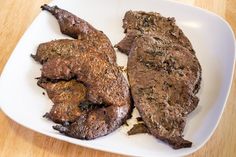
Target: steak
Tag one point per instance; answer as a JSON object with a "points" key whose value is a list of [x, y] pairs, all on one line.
{"points": [[90, 94], [163, 79], [66, 111], [137, 23], [105, 85]]}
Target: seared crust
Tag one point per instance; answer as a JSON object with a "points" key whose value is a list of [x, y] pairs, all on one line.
{"points": [[138, 129], [104, 81], [136, 23], [96, 123], [66, 48], [105, 84], [162, 79], [66, 97], [90, 94]]}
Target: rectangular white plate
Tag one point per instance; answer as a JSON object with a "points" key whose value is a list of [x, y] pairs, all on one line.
{"points": [[212, 38]]}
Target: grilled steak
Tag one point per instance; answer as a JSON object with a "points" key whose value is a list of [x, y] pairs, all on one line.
{"points": [[66, 48], [137, 23], [99, 101], [86, 36], [163, 72], [105, 84], [96, 123], [162, 79]]}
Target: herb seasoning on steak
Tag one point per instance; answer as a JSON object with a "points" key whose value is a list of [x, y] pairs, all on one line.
{"points": [[162, 81], [137, 23], [163, 72], [90, 94]]}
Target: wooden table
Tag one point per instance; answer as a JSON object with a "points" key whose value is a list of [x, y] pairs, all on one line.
{"points": [[15, 140]]}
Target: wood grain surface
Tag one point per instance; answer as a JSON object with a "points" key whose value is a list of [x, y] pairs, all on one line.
{"points": [[15, 140]]}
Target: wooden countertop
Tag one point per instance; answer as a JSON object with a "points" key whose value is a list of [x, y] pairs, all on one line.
{"points": [[15, 140]]}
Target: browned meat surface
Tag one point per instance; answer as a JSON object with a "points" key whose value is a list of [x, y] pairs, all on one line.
{"points": [[87, 38], [163, 79], [136, 23], [99, 101], [163, 72], [103, 80], [125, 44], [67, 47], [138, 129], [70, 24], [66, 97], [96, 123], [105, 84], [63, 110]]}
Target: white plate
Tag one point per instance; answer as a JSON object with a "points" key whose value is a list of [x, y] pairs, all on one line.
{"points": [[212, 38]]}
